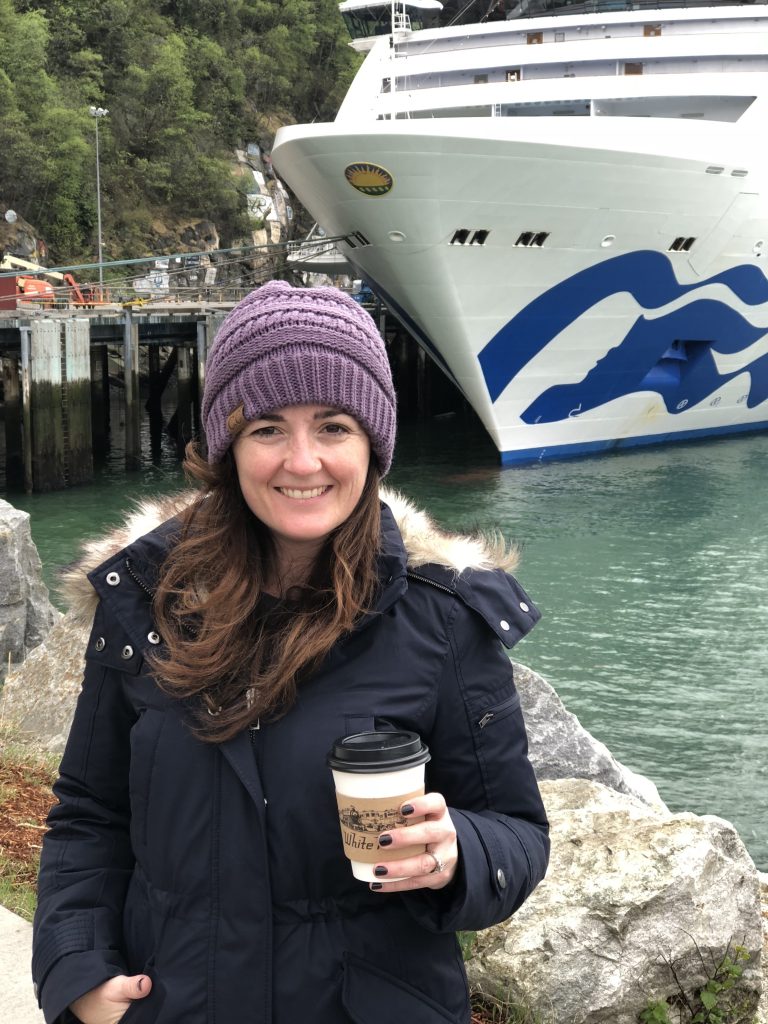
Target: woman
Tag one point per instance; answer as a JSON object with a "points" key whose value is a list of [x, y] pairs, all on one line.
{"points": [[193, 871]]}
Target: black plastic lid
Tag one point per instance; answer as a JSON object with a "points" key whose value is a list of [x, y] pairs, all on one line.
{"points": [[367, 752]]}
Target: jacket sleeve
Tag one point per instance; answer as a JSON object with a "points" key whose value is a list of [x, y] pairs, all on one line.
{"points": [[87, 860], [480, 764]]}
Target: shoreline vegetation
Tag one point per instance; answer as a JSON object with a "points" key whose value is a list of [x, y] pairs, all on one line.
{"points": [[184, 84]]}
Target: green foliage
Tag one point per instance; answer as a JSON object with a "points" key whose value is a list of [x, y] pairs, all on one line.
{"points": [[716, 1002], [185, 82]]}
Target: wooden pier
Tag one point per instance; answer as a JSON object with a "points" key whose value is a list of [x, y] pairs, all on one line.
{"points": [[56, 381]]}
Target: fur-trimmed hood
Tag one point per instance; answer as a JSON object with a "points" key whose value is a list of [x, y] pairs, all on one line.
{"points": [[425, 543]]}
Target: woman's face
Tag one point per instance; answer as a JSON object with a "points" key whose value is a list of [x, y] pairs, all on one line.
{"points": [[302, 471]]}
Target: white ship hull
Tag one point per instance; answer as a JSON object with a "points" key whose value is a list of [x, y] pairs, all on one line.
{"points": [[601, 336]]}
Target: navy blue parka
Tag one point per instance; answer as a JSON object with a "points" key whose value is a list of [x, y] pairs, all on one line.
{"points": [[218, 869]]}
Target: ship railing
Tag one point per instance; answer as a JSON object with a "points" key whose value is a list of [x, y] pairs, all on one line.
{"points": [[543, 9]]}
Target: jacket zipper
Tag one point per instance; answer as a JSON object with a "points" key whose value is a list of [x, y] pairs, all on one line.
{"points": [[138, 580], [432, 583]]}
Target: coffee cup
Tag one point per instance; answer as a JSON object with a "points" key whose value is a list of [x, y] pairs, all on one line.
{"points": [[375, 773]]}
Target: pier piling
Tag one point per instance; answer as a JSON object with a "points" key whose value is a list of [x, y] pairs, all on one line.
{"points": [[76, 401], [131, 379], [100, 399], [49, 471], [14, 448]]}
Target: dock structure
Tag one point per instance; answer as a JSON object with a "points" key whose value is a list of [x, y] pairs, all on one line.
{"points": [[58, 367], [56, 379]]}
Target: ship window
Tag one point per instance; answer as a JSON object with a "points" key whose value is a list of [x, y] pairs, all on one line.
{"points": [[513, 75], [535, 37], [481, 79], [559, 37], [633, 68], [681, 244], [386, 85], [739, 174], [531, 238], [479, 237], [460, 236], [652, 30], [715, 170]]}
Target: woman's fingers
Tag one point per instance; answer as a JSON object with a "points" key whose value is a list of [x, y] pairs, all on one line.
{"points": [[108, 1002], [436, 832]]}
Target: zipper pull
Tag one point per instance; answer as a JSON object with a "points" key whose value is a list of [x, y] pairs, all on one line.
{"points": [[485, 719]]}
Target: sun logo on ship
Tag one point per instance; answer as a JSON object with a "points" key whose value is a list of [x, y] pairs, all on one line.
{"points": [[370, 179]]}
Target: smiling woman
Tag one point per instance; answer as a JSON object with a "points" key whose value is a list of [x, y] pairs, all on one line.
{"points": [[194, 869]]}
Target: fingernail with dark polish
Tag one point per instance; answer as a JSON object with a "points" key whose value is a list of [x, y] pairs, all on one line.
{"points": [[380, 870], [385, 840], [406, 809], [376, 886]]}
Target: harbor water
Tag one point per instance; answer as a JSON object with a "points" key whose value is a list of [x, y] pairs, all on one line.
{"points": [[649, 567]]}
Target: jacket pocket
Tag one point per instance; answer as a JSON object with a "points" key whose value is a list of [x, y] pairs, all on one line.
{"points": [[372, 996], [492, 715], [146, 1010]]}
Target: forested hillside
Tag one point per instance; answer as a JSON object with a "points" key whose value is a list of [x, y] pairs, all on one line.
{"points": [[185, 82]]}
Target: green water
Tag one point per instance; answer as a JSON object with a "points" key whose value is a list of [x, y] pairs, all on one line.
{"points": [[649, 567]]}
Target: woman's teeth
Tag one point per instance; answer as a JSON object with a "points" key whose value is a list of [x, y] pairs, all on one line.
{"points": [[291, 492]]}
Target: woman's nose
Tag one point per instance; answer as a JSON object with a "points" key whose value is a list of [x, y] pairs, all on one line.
{"points": [[302, 456]]}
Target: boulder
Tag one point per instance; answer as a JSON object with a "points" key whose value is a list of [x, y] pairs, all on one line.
{"points": [[636, 900], [561, 748], [39, 697], [26, 614]]}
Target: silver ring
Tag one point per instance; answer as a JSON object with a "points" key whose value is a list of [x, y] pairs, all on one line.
{"points": [[439, 866]]}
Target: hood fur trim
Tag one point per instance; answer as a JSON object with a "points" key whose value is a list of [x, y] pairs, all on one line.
{"points": [[425, 543]]}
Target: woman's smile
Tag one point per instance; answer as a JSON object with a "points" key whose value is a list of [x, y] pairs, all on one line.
{"points": [[293, 492]]}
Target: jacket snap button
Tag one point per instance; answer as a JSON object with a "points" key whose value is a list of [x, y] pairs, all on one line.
{"points": [[524, 607], [153, 637], [501, 878], [113, 579], [100, 644], [504, 624], [127, 652]]}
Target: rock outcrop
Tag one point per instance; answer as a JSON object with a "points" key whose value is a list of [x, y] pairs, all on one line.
{"points": [[39, 697], [636, 900], [561, 748], [26, 614]]}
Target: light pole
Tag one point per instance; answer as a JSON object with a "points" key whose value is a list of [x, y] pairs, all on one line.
{"points": [[97, 113]]}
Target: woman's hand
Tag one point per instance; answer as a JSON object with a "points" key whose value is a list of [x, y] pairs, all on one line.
{"points": [[437, 832], [109, 1002]]}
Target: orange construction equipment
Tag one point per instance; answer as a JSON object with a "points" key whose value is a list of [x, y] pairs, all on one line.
{"points": [[46, 290]]}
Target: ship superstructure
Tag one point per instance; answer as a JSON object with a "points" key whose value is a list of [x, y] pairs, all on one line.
{"points": [[568, 210]]}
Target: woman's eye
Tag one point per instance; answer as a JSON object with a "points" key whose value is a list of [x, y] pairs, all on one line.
{"points": [[335, 428], [263, 432]]}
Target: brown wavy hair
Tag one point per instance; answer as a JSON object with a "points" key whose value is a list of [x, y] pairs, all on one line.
{"points": [[233, 654]]}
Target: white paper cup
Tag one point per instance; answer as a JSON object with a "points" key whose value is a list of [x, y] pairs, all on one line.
{"points": [[375, 773]]}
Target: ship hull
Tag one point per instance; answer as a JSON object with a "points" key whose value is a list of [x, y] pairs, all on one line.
{"points": [[599, 336]]}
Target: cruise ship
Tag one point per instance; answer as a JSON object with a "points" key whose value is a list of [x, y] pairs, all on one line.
{"points": [[566, 205]]}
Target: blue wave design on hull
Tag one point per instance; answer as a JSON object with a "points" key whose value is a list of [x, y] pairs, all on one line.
{"points": [[646, 359]]}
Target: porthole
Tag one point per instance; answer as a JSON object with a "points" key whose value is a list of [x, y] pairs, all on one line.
{"points": [[608, 241]]}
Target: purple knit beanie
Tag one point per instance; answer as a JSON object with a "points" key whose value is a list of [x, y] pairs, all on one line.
{"points": [[284, 346]]}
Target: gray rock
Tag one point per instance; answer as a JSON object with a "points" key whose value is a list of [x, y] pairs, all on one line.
{"points": [[26, 614], [561, 748], [630, 890], [39, 697]]}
